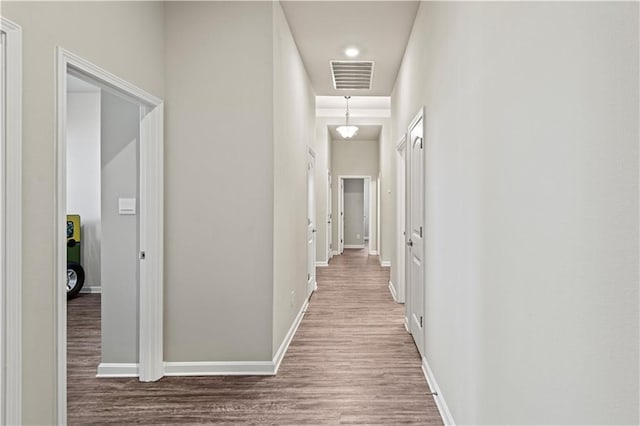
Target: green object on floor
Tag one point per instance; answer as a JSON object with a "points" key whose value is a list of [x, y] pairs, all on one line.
{"points": [[73, 238]]}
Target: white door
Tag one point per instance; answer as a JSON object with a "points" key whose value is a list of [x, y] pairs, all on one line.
{"points": [[329, 219], [311, 225], [415, 242]]}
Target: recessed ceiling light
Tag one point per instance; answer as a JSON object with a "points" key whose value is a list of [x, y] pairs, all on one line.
{"points": [[352, 52]]}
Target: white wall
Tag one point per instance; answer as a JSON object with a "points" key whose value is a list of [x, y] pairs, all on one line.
{"points": [[354, 158], [219, 181], [109, 34], [83, 176], [531, 207], [293, 133], [119, 151]]}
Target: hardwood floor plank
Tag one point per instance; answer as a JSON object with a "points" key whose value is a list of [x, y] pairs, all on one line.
{"points": [[350, 362]]}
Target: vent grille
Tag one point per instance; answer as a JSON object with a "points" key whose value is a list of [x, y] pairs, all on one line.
{"points": [[352, 75]]}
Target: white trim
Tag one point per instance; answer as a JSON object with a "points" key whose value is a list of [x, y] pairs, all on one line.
{"points": [[373, 253], [91, 289], [354, 246], [11, 279], [392, 290], [406, 324], [385, 263], [401, 218], [321, 264], [118, 369], [277, 358], [443, 408], [151, 306], [336, 253], [222, 368], [151, 226]]}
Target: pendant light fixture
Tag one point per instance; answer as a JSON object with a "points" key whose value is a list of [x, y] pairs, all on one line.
{"points": [[347, 131]]}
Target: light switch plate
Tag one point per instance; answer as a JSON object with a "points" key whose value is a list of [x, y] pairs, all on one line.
{"points": [[126, 206]]}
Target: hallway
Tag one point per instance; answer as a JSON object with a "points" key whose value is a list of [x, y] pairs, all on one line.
{"points": [[351, 361]]}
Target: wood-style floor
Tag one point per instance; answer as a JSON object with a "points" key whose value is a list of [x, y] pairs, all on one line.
{"points": [[351, 362]]}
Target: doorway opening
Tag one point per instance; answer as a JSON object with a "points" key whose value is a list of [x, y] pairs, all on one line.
{"points": [[357, 199], [109, 166]]}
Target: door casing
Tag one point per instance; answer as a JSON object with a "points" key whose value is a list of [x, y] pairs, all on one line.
{"points": [[151, 192], [401, 240], [11, 225]]}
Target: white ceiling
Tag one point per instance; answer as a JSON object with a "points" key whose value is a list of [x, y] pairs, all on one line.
{"points": [[365, 133], [323, 29]]}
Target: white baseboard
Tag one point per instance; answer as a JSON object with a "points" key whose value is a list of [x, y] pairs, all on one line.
{"points": [[393, 292], [385, 263], [354, 246], [91, 289], [322, 264], [118, 369], [373, 253], [236, 368], [277, 358], [336, 253], [406, 325], [447, 418], [219, 368], [315, 287]]}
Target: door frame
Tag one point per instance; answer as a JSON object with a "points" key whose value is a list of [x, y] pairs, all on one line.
{"points": [[341, 179], [401, 204], [150, 367], [11, 230]]}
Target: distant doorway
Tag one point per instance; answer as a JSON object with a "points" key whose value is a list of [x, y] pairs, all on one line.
{"points": [[356, 202]]}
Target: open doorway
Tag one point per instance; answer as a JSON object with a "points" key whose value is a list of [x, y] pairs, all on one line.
{"points": [[356, 202], [102, 168], [115, 166]]}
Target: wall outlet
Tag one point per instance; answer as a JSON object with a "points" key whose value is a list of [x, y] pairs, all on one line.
{"points": [[293, 296]]}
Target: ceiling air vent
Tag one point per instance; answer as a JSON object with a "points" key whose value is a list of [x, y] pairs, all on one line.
{"points": [[350, 75]]}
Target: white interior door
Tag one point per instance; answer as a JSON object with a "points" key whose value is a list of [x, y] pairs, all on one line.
{"points": [[415, 242], [311, 225]]}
